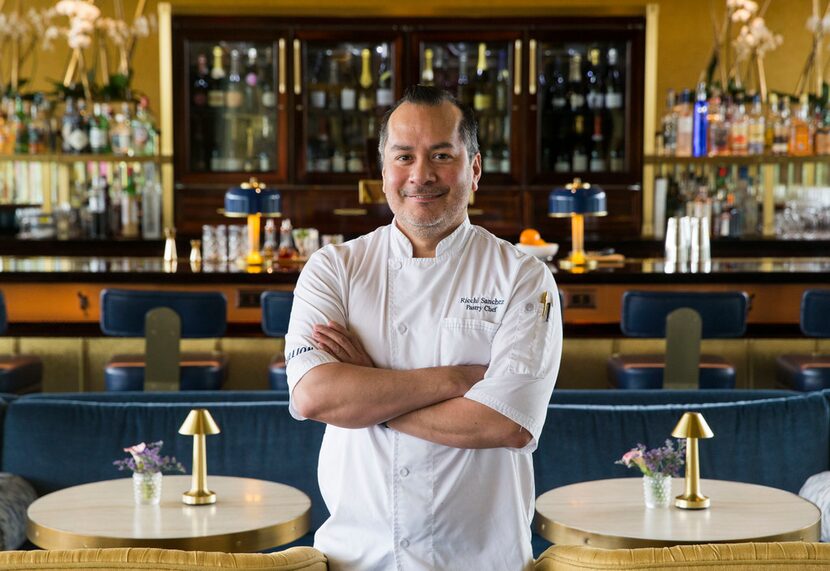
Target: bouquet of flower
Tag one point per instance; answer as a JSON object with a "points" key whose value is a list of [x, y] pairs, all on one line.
{"points": [[665, 461], [147, 459]]}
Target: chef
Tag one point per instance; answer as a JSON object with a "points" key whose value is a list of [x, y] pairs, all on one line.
{"points": [[430, 348]]}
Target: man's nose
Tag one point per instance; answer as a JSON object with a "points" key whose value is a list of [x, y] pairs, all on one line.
{"points": [[421, 172]]}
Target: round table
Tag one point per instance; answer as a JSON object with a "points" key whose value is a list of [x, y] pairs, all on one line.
{"points": [[611, 514], [249, 515]]}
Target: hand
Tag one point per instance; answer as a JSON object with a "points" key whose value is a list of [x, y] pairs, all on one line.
{"points": [[342, 344]]}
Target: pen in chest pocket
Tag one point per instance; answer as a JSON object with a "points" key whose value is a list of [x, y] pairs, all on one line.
{"points": [[545, 301]]}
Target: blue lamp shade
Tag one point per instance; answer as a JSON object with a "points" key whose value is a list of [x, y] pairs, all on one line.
{"points": [[577, 198], [252, 198]]}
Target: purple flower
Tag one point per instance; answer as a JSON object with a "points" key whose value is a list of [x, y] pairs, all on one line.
{"points": [[147, 459], [665, 461]]}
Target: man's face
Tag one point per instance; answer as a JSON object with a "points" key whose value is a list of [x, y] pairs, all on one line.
{"points": [[427, 175]]}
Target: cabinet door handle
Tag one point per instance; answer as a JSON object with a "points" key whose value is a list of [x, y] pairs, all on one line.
{"points": [[517, 68], [350, 212], [475, 212], [281, 63], [298, 86], [532, 67]]}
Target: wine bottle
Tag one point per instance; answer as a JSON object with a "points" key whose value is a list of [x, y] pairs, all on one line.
{"points": [[251, 89], [366, 99], [384, 96], [465, 94], [233, 88], [483, 98], [348, 94], [200, 86], [99, 130]]}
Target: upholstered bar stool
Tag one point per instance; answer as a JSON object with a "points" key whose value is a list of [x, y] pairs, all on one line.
{"points": [[276, 311], [683, 318], [803, 372], [18, 373], [163, 318]]}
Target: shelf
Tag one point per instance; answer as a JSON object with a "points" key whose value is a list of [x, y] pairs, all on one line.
{"points": [[83, 158], [736, 160]]}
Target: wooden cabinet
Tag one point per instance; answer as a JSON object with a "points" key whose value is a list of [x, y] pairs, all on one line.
{"points": [[334, 78]]}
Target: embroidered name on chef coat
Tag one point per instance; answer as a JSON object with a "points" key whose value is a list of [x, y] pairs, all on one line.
{"points": [[481, 303]]}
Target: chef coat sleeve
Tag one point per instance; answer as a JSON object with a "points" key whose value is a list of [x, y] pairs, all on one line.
{"points": [[525, 353], [318, 299]]}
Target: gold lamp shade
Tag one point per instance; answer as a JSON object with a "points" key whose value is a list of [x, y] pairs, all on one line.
{"points": [[692, 426], [199, 423]]}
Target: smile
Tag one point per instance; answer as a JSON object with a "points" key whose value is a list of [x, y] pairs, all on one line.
{"points": [[425, 197]]}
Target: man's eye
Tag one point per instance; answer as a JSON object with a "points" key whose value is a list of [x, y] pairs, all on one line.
{"points": [[403, 157], [442, 156]]}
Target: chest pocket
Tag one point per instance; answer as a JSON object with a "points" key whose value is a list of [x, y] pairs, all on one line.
{"points": [[465, 341]]}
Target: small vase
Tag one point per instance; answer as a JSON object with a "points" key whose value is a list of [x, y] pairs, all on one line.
{"points": [[147, 488], [657, 491]]}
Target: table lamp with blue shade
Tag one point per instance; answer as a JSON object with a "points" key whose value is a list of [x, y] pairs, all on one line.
{"points": [[253, 201], [575, 201]]}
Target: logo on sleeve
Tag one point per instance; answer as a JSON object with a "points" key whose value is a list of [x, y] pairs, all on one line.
{"points": [[481, 303], [297, 351]]}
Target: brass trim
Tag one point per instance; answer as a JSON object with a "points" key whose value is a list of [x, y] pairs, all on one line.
{"points": [[649, 116], [298, 87], [350, 212], [370, 191], [242, 541], [517, 68], [475, 212], [281, 63], [165, 29], [531, 66]]}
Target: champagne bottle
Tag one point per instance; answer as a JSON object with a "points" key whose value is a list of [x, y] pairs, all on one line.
{"points": [[483, 98], [216, 92], [348, 95], [366, 99], [233, 89], [465, 94], [427, 74], [99, 130]]}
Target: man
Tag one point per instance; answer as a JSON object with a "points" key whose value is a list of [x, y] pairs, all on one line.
{"points": [[430, 349]]}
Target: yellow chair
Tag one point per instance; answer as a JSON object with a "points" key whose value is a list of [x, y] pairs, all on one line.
{"points": [[135, 558], [731, 556]]}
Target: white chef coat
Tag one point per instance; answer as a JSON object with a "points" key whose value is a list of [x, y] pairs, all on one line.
{"points": [[400, 502]]}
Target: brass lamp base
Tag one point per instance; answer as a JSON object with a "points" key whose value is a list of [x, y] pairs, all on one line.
{"points": [[569, 264], [199, 497], [691, 502]]}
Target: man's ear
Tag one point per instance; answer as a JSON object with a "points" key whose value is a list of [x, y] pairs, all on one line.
{"points": [[476, 168]]}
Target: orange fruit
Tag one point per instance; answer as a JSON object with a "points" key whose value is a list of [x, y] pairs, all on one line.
{"points": [[539, 242], [530, 237]]}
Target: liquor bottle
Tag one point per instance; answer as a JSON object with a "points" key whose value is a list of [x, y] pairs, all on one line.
{"points": [[384, 97], [79, 132], [348, 94], [66, 123], [144, 132], [781, 127], [822, 142], [216, 91], [269, 242], [267, 97], [200, 86], [99, 131], [595, 96], [755, 143], [113, 174], [366, 99], [151, 198], [668, 125], [251, 89], [233, 87], [286, 250], [579, 155], [465, 93], [20, 127], [483, 97], [121, 137], [613, 81], [700, 126], [801, 129], [769, 121], [129, 208], [427, 73], [97, 203], [316, 86], [739, 128], [333, 86], [685, 125], [718, 125], [38, 128]]}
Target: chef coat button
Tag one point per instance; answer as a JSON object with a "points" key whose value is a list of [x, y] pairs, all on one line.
{"points": [[402, 328], [404, 543], [396, 265], [404, 472], [529, 307]]}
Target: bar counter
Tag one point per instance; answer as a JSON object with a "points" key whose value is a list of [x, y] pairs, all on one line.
{"points": [[65, 290]]}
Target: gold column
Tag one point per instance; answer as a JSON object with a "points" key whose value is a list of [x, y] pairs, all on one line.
{"points": [[165, 27], [649, 117]]}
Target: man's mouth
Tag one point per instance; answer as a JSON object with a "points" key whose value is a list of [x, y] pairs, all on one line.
{"points": [[424, 196]]}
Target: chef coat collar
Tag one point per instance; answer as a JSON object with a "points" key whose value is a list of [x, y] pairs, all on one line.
{"points": [[401, 247]]}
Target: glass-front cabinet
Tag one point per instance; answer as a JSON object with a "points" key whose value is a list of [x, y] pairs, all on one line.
{"points": [[298, 104]]}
